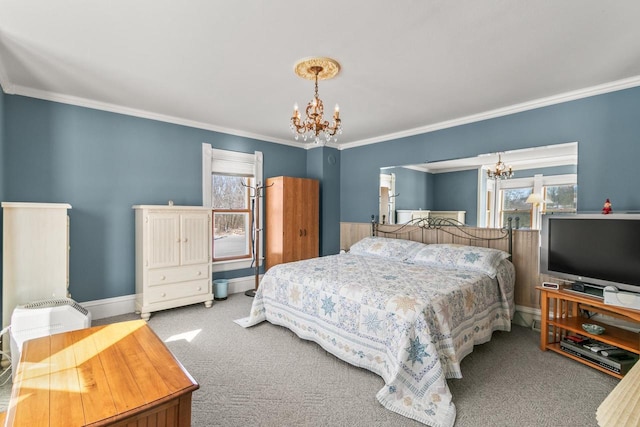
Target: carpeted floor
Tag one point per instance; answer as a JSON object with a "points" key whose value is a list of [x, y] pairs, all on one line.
{"points": [[267, 376]]}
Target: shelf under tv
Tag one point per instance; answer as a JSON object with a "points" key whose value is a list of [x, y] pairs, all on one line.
{"points": [[560, 316]]}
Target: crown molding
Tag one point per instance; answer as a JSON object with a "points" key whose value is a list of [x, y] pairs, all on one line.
{"points": [[505, 111], [103, 106], [5, 84], [617, 85]]}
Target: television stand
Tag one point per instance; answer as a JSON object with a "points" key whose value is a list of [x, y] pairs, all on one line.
{"points": [[560, 317]]}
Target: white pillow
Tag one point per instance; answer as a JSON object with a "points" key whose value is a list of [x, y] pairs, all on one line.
{"points": [[396, 249], [485, 260]]}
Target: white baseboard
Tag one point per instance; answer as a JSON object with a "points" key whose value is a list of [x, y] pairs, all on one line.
{"points": [[117, 306], [527, 316], [110, 307], [242, 284]]}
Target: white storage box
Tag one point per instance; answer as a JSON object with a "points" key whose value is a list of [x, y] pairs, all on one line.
{"points": [[42, 318]]}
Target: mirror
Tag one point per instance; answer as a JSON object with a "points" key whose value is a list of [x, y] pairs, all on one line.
{"points": [[461, 189]]}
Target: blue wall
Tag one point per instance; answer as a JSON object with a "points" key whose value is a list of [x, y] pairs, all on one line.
{"points": [[323, 163], [457, 191], [606, 127], [414, 188], [104, 163]]}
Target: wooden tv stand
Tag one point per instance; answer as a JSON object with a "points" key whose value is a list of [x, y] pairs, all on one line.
{"points": [[560, 316]]}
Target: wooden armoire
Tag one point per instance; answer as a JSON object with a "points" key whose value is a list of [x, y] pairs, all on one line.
{"points": [[292, 219]]}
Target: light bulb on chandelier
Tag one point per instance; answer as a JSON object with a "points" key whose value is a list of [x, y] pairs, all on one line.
{"points": [[500, 170], [314, 125]]}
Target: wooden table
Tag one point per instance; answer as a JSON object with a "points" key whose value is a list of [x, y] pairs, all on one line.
{"points": [[120, 374]]}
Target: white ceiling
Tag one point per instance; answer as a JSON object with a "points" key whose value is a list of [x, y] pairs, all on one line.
{"points": [[407, 66]]}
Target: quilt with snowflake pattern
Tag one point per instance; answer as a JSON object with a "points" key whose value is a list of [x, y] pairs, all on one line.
{"points": [[411, 324]]}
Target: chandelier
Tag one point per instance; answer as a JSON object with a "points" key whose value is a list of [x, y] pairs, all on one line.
{"points": [[500, 170], [314, 126]]}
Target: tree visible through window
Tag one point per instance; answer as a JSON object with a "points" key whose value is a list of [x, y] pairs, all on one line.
{"points": [[232, 217], [558, 198], [561, 198], [514, 205]]}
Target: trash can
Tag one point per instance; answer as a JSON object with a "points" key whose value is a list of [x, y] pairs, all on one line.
{"points": [[220, 287]]}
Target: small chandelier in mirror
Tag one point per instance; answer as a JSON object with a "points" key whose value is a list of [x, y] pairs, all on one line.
{"points": [[314, 126], [500, 170]]}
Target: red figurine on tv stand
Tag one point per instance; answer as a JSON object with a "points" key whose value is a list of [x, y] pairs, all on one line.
{"points": [[607, 207]]}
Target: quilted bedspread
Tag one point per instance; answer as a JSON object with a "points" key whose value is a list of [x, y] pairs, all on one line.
{"points": [[410, 324]]}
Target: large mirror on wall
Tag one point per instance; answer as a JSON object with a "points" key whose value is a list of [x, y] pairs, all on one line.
{"points": [[483, 190]]}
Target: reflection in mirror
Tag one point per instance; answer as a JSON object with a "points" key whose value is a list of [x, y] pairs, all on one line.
{"points": [[461, 188], [387, 198], [408, 189]]}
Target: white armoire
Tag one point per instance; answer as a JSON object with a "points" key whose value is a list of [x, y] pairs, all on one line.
{"points": [[35, 254], [173, 257]]}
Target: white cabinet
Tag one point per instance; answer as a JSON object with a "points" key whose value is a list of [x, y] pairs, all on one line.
{"points": [[173, 257], [458, 216], [35, 254], [403, 216]]}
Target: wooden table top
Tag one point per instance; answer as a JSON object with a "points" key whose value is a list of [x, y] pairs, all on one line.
{"points": [[94, 377]]}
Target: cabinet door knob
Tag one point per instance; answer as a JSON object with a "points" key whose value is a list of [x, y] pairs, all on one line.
{"points": [[300, 232], [199, 273], [162, 277], [178, 240], [199, 288], [186, 239], [163, 295]]}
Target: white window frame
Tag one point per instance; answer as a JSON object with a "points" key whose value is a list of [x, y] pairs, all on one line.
{"points": [[232, 162], [536, 183]]}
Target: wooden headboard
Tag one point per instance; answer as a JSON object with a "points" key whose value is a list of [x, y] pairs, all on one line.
{"points": [[524, 253]]}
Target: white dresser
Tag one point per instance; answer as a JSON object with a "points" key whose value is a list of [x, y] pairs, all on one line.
{"points": [[173, 257], [35, 254]]}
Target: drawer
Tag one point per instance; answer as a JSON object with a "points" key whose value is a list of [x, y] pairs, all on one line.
{"points": [[177, 291], [162, 276]]}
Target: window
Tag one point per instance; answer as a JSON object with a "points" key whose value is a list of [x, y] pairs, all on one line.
{"points": [[228, 182], [514, 205], [232, 217], [558, 191], [560, 198]]}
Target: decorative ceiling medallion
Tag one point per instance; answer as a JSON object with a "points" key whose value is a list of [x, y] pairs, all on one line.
{"points": [[306, 68], [313, 125]]}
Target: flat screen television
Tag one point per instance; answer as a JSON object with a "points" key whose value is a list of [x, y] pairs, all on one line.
{"points": [[596, 249]]}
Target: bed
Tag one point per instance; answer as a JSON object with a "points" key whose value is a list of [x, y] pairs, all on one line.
{"points": [[408, 311]]}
